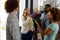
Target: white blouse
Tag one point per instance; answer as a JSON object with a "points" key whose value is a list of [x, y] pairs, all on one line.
{"points": [[27, 25]]}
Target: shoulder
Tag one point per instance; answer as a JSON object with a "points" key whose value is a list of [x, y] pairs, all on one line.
{"points": [[54, 26]]}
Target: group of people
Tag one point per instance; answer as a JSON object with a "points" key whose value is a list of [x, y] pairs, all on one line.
{"points": [[45, 22]]}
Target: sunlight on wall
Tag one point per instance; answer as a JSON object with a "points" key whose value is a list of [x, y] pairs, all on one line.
{"points": [[3, 17], [22, 6]]}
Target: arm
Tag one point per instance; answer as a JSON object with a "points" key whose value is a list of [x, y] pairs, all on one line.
{"points": [[9, 30], [15, 28], [46, 32]]}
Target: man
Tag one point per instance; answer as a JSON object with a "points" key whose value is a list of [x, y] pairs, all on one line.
{"points": [[44, 20]]}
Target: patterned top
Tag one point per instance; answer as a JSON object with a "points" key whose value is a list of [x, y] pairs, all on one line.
{"points": [[12, 27]]}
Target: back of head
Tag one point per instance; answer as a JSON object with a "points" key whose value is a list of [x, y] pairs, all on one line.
{"points": [[46, 7], [10, 5]]}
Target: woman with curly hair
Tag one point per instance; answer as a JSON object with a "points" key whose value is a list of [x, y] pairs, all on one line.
{"points": [[52, 29]]}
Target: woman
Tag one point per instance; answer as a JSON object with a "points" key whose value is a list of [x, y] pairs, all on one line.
{"points": [[27, 26], [12, 27], [52, 29]]}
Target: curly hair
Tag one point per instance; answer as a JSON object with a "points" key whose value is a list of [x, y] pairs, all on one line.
{"points": [[10, 5], [55, 13]]}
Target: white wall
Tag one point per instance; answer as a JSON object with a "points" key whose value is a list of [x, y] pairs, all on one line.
{"points": [[58, 4], [35, 4], [29, 4], [22, 6], [3, 18]]}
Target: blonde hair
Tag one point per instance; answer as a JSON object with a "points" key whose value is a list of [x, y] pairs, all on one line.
{"points": [[24, 12], [36, 10]]}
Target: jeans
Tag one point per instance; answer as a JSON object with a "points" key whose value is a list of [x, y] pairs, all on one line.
{"points": [[27, 36]]}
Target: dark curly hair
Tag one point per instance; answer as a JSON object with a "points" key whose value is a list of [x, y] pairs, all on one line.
{"points": [[10, 5], [55, 13], [46, 7]]}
